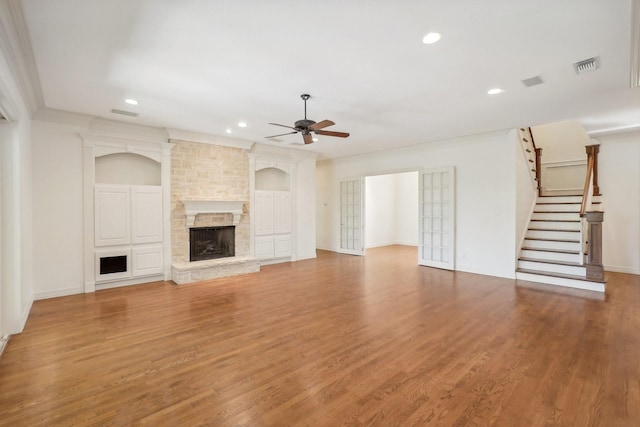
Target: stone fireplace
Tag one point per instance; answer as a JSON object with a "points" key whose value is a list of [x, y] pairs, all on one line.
{"points": [[209, 189]]}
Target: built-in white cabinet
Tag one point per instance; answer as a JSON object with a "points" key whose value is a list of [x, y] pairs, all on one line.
{"points": [[128, 231], [272, 212]]}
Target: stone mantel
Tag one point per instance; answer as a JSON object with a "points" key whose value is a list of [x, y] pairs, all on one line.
{"points": [[195, 207]]}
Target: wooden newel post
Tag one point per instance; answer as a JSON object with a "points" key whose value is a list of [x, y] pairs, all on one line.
{"points": [[595, 270], [593, 150]]}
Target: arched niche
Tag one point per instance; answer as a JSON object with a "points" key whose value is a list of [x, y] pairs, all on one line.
{"points": [[128, 169], [272, 179]]}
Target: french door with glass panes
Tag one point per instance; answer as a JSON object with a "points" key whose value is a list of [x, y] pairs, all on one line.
{"points": [[351, 216], [437, 218]]}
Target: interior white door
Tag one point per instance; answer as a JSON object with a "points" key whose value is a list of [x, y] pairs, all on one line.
{"points": [[351, 216], [437, 218]]}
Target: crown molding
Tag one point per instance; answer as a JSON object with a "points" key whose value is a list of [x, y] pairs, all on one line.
{"points": [[16, 45], [204, 138], [635, 43]]}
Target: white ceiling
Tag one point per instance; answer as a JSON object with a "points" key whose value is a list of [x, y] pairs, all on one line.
{"points": [[203, 65]]}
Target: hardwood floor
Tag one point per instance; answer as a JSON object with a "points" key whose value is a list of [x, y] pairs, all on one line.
{"points": [[340, 340]]}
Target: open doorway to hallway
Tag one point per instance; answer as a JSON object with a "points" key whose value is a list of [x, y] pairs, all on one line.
{"points": [[391, 209]]}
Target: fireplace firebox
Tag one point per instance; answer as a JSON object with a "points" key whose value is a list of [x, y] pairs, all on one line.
{"points": [[212, 242]]}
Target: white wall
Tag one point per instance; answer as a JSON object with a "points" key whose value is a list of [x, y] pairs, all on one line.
{"points": [[619, 180], [380, 211], [305, 209], [526, 191], [406, 230], [561, 141], [57, 203], [16, 258], [485, 195]]}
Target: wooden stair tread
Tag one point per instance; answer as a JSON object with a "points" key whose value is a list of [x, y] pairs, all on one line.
{"points": [[559, 275], [562, 195], [552, 240], [559, 203], [574, 212], [556, 220], [553, 229], [557, 251], [552, 261]]}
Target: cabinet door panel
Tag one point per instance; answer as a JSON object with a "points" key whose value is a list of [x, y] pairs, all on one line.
{"points": [[282, 245], [264, 247], [146, 214], [146, 260], [112, 215], [263, 212], [282, 212]]}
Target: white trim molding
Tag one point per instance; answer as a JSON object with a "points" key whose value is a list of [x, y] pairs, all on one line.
{"points": [[635, 43], [195, 207], [15, 43]]}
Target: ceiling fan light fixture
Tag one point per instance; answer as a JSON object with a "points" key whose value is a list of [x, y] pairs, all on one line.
{"points": [[431, 38], [131, 101]]}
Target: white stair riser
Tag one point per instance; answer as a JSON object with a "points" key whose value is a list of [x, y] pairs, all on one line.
{"points": [[542, 244], [553, 256], [562, 199], [558, 208], [553, 225], [553, 268], [559, 281], [555, 235], [556, 216]]}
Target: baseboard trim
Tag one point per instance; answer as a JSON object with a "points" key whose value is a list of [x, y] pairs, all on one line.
{"points": [[58, 293], [627, 270], [3, 343]]}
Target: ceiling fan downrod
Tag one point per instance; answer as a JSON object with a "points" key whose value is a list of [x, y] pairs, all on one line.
{"points": [[304, 97]]}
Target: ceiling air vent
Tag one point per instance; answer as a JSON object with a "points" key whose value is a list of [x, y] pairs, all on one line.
{"points": [[124, 113], [586, 65], [533, 81]]}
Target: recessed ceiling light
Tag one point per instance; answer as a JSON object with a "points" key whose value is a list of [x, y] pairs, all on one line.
{"points": [[228, 130], [431, 38], [242, 124], [314, 139], [495, 91], [131, 101]]}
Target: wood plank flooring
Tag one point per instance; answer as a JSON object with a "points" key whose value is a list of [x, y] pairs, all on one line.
{"points": [[339, 340]]}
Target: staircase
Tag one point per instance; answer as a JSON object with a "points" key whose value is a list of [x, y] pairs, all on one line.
{"points": [[552, 249]]}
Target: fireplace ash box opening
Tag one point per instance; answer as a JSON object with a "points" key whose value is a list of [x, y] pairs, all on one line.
{"points": [[211, 242]]}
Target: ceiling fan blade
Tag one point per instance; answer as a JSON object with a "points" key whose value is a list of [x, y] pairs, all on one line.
{"points": [[322, 124], [308, 139], [331, 133], [284, 126], [282, 134]]}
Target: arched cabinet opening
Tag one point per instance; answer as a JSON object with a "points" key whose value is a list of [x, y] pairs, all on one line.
{"points": [[127, 169], [272, 179]]}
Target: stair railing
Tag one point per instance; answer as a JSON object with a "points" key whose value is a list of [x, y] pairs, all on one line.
{"points": [[533, 155], [591, 220]]}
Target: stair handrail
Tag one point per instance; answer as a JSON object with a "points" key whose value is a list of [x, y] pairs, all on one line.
{"points": [[588, 184], [533, 155]]}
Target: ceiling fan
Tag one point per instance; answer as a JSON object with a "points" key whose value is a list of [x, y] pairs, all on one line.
{"points": [[306, 126]]}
